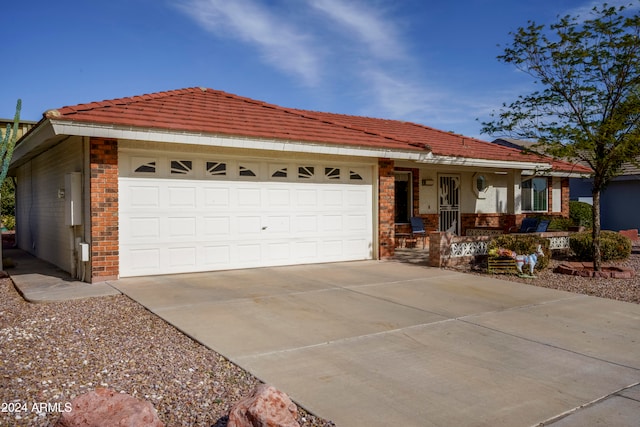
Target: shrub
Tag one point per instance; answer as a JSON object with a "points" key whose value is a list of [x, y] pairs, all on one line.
{"points": [[560, 224], [523, 245], [9, 222], [613, 246], [581, 214]]}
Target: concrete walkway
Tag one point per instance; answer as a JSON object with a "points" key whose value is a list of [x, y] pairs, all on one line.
{"points": [[394, 344], [390, 343], [39, 281]]}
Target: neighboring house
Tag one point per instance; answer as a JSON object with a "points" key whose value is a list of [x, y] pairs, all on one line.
{"points": [[620, 192], [199, 180], [23, 127], [619, 201]]}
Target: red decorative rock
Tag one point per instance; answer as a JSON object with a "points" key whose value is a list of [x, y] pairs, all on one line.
{"points": [[266, 407], [107, 408], [631, 234], [585, 269]]}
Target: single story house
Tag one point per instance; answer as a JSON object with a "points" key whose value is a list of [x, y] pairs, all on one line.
{"points": [[616, 194], [199, 180]]}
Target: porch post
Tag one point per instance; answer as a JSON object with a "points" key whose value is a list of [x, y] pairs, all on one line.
{"points": [[386, 208], [104, 209], [514, 199]]}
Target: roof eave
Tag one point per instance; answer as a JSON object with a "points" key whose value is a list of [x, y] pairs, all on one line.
{"points": [[65, 127], [484, 163], [37, 140]]}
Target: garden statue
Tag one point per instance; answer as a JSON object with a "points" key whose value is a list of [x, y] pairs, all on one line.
{"points": [[530, 260]]}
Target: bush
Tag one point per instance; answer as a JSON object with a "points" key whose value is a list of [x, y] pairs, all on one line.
{"points": [[523, 245], [9, 222], [581, 214], [560, 224], [613, 246]]}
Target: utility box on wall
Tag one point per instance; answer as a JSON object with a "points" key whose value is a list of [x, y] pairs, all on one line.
{"points": [[73, 198]]}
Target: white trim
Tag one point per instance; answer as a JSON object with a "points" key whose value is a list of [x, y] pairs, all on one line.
{"points": [[483, 163], [212, 140]]}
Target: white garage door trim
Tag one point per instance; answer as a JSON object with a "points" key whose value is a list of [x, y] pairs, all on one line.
{"points": [[256, 214]]}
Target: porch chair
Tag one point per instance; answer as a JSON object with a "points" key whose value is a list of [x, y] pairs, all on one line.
{"points": [[542, 226], [529, 225], [417, 230]]}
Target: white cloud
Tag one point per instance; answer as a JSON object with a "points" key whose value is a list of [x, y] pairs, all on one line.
{"points": [[281, 44], [375, 31]]}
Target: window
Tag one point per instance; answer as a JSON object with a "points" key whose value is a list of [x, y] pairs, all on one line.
{"points": [[181, 167], [148, 167], [355, 176], [332, 173], [534, 195], [279, 173], [216, 168], [245, 171], [306, 172], [402, 197]]}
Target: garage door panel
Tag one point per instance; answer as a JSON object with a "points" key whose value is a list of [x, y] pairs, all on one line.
{"points": [[332, 223], [142, 196], [306, 224], [217, 226], [143, 228], [216, 256], [170, 226], [181, 197], [306, 198], [182, 228], [278, 224], [306, 250], [249, 225], [181, 257], [356, 223], [249, 197], [249, 253], [142, 261], [332, 198], [216, 197], [280, 252], [278, 198]]}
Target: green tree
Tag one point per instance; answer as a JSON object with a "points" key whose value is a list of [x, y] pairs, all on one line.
{"points": [[588, 106], [6, 149]]}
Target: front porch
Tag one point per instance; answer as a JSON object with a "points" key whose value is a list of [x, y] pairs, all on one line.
{"points": [[448, 250]]}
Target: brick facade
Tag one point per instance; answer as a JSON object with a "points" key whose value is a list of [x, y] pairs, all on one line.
{"points": [[386, 208], [103, 155], [565, 197]]}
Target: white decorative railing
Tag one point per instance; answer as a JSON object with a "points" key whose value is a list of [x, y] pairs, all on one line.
{"points": [[558, 242], [461, 249], [464, 246]]}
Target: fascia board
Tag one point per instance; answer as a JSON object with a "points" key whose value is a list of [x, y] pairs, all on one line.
{"points": [[32, 144], [63, 127], [484, 163]]}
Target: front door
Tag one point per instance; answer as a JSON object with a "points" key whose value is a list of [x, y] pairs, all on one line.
{"points": [[449, 203]]}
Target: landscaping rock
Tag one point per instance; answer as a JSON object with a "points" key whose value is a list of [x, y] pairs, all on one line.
{"points": [[265, 407], [107, 408]]}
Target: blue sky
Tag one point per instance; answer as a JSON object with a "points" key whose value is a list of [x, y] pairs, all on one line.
{"points": [[427, 61]]}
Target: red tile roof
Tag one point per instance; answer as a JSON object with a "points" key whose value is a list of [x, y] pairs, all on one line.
{"points": [[216, 112]]}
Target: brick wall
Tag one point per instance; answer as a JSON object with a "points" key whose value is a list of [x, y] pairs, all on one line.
{"points": [[386, 208], [104, 209], [565, 197]]}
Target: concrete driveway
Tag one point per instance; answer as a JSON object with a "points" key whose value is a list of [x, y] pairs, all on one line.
{"points": [[391, 344]]}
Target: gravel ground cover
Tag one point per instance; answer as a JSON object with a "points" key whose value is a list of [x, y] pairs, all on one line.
{"points": [[51, 353], [618, 289]]}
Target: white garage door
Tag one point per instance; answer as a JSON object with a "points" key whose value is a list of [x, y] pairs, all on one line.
{"points": [[320, 214]]}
